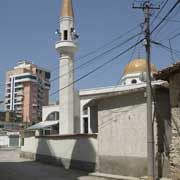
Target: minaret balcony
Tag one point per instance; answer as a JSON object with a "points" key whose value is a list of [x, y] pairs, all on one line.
{"points": [[67, 47]]}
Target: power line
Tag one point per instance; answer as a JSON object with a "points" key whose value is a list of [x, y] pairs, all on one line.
{"points": [[160, 44], [174, 31], [97, 68], [98, 56], [167, 14], [132, 54], [171, 50], [176, 35], [170, 20], [164, 5], [103, 46]]}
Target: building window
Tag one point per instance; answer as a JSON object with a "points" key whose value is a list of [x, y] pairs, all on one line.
{"points": [[47, 75], [134, 81], [65, 35], [85, 125], [26, 76], [53, 116], [1, 126], [85, 111]]}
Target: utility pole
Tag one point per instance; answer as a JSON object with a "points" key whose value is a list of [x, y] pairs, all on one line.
{"points": [[147, 7]]}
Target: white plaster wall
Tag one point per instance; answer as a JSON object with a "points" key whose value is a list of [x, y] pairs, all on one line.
{"points": [[76, 112], [122, 126], [4, 141], [76, 148]]}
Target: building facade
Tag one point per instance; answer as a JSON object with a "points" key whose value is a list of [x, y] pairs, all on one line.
{"points": [[27, 90], [172, 75]]}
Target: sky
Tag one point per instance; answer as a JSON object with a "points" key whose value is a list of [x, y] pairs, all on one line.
{"points": [[27, 32]]}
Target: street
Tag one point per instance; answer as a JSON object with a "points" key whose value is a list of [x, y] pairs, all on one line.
{"points": [[14, 168]]}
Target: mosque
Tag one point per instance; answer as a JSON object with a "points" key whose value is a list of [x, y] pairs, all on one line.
{"points": [[104, 129]]}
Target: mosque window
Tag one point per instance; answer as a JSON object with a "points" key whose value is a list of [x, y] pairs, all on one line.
{"points": [[85, 111], [85, 125], [134, 81], [65, 35]]}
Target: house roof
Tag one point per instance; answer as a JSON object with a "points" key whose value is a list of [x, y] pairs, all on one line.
{"points": [[114, 89], [42, 125], [164, 74], [132, 89]]}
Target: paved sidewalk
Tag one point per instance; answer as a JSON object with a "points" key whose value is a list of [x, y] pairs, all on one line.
{"points": [[14, 168]]}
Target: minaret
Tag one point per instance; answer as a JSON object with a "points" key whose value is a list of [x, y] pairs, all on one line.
{"points": [[66, 48]]}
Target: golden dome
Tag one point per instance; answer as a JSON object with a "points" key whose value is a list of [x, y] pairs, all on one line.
{"points": [[138, 65], [67, 9]]}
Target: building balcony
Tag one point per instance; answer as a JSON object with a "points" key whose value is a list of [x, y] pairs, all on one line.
{"points": [[8, 91], [18, 103], [18, 94], [8, 87], [19, 108], [19, 86], [34, 105], [19, 111], [19, 115], [20, 98], [8, 83], [66, 46], [8, 106], [7, 102], [7, 95], [19, 91]]}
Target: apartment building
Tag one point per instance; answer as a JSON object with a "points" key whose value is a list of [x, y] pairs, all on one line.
{"points": [[27, 90]]}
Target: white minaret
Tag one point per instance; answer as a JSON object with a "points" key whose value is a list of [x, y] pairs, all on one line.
{"points": [[66, 48]]}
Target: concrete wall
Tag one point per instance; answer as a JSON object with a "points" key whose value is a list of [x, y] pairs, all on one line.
{"points": [[4, 140], [122, 138], [70, 151], [175, 120], [76, 112]]}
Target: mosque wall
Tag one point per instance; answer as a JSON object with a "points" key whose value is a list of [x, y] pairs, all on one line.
{"points": [[122, 137], [69, 151]]}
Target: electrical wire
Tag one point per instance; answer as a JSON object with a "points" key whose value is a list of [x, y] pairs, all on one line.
{"points": [[98, 56], [159, 12], [103, 46], [165, 17], [107, 62], [97, 68]]}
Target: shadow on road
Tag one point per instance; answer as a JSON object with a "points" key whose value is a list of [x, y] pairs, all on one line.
{"points": [[30, 170]]}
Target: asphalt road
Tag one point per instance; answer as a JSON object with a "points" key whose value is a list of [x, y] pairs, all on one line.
{"points": [[14, 168]]}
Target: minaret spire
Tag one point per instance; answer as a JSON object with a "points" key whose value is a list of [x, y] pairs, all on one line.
{"points": [[67, 9], [67, 48]]}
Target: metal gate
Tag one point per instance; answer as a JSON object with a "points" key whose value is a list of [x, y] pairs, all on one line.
{"points": [[14, 141]]}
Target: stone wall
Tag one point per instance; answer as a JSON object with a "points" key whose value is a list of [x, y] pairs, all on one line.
{"points": [[175, 118]]}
